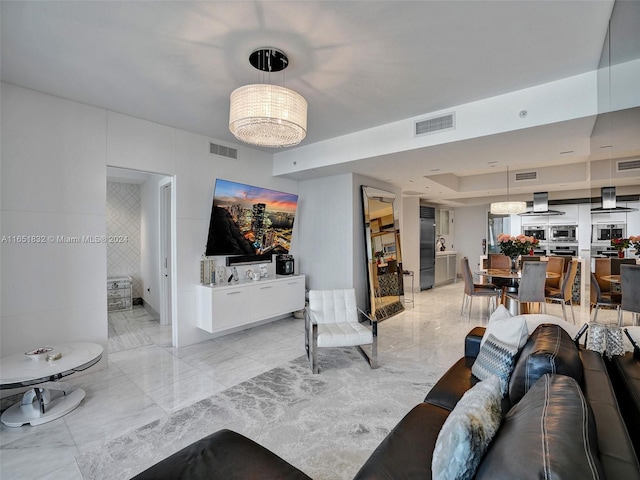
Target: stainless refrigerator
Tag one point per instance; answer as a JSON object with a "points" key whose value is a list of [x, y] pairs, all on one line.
{"points": [[427, 247]]}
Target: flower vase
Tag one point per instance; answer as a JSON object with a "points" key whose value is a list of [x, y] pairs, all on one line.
{"points": [[620, 253], [514, 264]]}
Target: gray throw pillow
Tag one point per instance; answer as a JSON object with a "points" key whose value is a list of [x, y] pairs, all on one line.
{"points": [[496, 359], [467, 432]]}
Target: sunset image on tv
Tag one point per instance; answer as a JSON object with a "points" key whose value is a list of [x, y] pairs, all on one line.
{"points": [[250, 220]]}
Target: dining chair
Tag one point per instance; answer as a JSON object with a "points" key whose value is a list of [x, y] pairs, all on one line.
{"points": [[564, 294], [530, 258], [472, 289], [602, 269], [532, 283], [554, 265], [615, 288], [630, 288], [500, 261], [597, 299]]}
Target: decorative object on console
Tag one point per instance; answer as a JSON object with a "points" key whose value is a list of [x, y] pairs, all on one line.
{"points": [[250, 221], [468, 431], [268, 115]]}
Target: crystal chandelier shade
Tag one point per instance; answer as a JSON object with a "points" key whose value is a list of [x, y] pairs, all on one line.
{"points": [[268, 115], [508, 208]]}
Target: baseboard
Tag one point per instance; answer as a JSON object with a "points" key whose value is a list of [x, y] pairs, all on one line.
{"points": [[150, 310]]}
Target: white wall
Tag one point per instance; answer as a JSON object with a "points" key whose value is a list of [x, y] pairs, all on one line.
{"points": [[410, 238], [53, 185], [470, 227], [331, 236], [54, 155]]}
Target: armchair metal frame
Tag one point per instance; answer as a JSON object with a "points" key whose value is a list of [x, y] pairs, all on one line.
{"points": [[311, 340]]}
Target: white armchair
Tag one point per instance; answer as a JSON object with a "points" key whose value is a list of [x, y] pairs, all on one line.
{"points": [[332, 320]]}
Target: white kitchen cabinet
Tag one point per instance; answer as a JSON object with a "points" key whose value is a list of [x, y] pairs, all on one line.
{"points": [[228, 306], [446, 269]]}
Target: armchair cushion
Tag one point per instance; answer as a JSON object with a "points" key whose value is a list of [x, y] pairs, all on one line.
{"points": [[343, 335]]}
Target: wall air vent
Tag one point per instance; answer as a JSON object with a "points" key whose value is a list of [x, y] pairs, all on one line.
{"points": [[526, 176], [223, 151], [435, 124], [627, 165]]}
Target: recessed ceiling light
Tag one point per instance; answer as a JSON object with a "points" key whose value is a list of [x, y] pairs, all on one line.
{"points": [[435, 169], [492, 162], [564, 153]]}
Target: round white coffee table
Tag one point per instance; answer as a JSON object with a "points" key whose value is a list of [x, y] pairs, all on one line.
{"points": [[48, 399]]}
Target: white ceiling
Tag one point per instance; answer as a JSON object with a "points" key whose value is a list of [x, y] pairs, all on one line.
{"points": [[358, 64]]}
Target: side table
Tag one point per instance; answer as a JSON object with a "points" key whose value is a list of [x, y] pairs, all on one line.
{"points": [[48, 399]]}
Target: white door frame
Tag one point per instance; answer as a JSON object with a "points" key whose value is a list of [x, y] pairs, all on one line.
{"points": [[168, 278]]}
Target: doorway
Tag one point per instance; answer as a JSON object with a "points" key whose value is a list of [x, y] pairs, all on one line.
{"points": [[141, 212]]}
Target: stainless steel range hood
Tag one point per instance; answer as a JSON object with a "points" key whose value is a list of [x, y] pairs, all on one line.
{"points": [[609, 202], [541, 206]]}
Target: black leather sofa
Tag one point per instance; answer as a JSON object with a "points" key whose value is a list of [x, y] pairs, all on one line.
{"points": [[517, 451]]}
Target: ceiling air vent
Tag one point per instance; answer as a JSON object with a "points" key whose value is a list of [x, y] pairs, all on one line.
{"points": [[223, 151], [435, 124], [526, 176], [627, 165]]}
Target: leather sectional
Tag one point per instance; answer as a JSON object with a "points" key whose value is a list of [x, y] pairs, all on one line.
{"points": [[585, 437]]}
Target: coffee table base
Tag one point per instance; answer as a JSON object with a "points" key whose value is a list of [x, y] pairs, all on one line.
{"points": [[59, 403]]}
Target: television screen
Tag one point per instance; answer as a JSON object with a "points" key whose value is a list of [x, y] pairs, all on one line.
{"points": [[247, 220]]}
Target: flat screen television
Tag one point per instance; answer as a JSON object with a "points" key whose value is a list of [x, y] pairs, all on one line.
{"points": [[248, 220]]}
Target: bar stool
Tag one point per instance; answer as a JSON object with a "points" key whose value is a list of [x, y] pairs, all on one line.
{"points": [[408, 273]]}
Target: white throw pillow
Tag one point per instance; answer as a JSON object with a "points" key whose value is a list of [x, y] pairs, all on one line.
{"points": [[467, 432], [506, 328]]}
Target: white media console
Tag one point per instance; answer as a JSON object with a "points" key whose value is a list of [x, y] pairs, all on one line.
{"points": [[228, 306]]}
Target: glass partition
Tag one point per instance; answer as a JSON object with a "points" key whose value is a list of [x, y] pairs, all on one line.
{"points": [[384, 259]]}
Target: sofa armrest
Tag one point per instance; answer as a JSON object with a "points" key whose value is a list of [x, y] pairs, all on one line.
{"points": [[224, 454], [472, 342]]}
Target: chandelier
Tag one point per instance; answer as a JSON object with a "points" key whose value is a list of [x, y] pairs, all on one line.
{"points": [[268, 115], [508, 207]]}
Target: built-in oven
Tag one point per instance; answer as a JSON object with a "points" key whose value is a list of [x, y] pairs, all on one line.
{"points": [[564, 250], [536, 232], [603, 251], [605, 232], [563, 233]]}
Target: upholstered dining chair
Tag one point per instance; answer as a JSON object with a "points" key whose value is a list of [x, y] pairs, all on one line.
{"points": [[615, 270], [554, 265], [630, 288], [603, 268], [332, 319], [502, 262], [598, 300], [564, 294], [531, 288], [472, 289]]}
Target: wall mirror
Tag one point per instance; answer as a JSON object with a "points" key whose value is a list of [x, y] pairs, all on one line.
{"points": [[384, 260]]}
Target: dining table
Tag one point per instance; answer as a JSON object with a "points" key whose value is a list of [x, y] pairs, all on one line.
{"points": [[506, 273]]}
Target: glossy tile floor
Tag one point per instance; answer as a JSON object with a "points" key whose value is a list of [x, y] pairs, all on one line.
{"points": [[147, 380]]}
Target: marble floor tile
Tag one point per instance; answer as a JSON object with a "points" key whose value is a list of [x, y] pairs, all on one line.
{"points": [[256, 381]]}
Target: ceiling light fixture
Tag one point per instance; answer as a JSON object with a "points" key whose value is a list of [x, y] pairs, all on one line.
{"points": [[508, 207], [268, 115]]}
